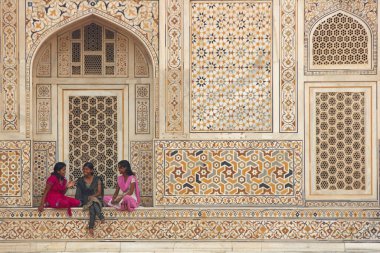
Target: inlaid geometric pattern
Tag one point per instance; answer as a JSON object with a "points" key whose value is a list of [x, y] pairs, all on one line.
{"points": [[288, 66], [230, 225], [254, 172], [340, 127], [340, 40], [43, 164], [363, 12], [340, 138], [231, 59], [141, 64], [174, 66], [235, 172], [15, 173], [10, 177], [201, 213], [9, 60], [93, 136], [142, 164], [142, 109]]}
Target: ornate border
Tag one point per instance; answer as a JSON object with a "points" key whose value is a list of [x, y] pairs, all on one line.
{"points": [[155, 228], [197, 213], [174, 66], [161, 198], [10, 68], [25, 174], [288, 67]]}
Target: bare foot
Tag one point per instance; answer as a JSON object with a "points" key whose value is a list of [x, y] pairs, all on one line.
{"points": [[91, 232]]}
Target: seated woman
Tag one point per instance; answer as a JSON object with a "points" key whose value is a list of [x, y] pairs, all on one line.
{"points": [[127, 183], [90, 191], [56, 187]]}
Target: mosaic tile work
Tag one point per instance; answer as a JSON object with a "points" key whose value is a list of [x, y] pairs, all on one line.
{"points": [[9, 72], [142, 164], [45, 18], [231, 59], [43, 164], [228, 172], [174, 66], [316, 10], [10, 177], [154, 225], [288, 66], [15, 173]]}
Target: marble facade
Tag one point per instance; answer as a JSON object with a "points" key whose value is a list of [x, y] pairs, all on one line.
{"points": [[243, 119]]}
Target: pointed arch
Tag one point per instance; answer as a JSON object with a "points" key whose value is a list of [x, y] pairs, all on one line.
{"points": [[340, 41], [150, 48]]}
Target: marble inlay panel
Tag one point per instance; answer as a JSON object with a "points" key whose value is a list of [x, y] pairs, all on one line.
{"points": [[228, 172]]}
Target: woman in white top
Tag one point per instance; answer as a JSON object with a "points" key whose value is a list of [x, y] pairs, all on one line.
{"points": [[127, 182]]}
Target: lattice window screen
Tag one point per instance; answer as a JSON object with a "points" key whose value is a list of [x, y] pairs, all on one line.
{"points": [[340, 40], [340, 139], [95, 50], [93, 136]]}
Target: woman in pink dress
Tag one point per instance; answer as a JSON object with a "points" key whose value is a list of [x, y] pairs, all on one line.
{"points": [[127, 182], [56, 187]]}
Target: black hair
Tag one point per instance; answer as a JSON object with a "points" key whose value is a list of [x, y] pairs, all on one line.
{"points": [[90, 166], [57, 167], [127, 166]]}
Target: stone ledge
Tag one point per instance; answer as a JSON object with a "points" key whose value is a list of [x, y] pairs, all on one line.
{"points": [[192, 229], [199, 213]]}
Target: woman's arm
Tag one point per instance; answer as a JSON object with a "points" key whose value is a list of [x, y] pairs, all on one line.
{"points": [[47, 189], [115, 194]]}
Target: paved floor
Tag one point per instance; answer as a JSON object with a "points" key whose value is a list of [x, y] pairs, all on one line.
{"points": [[188, 247]]}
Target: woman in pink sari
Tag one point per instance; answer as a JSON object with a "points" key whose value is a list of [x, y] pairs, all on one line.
{"points": [[127, 182], [56, 187]]}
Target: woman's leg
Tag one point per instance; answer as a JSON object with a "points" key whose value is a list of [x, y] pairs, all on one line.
{"points": [[98, 211], [128, 204], [67, 202], [91, 223]]}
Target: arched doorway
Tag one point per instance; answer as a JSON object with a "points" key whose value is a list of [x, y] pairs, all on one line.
{"points": [[93, 86]]}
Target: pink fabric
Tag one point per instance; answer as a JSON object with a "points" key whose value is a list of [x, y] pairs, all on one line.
{"points": [[56, 198], [128, 203]]}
